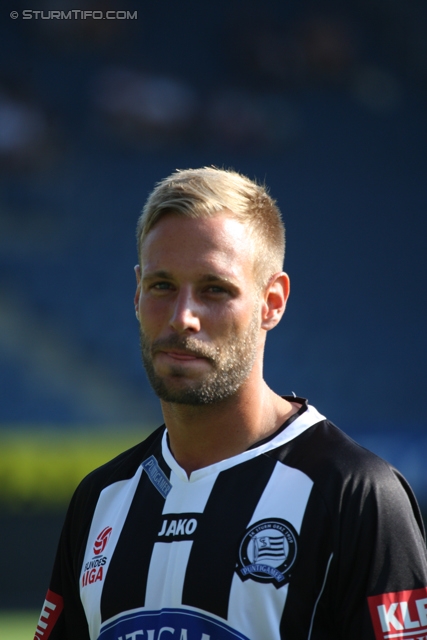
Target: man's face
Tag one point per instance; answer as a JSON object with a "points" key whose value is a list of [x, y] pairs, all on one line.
{"points": [[198, 307]]}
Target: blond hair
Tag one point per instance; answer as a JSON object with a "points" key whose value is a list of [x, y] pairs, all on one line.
{"points": [[203, 193]]}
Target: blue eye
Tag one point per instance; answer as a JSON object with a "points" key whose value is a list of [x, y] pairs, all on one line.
{"points": [[215, 289]]}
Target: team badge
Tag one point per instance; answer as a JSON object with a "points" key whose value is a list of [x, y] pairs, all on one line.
{"points": [[268, 551]]}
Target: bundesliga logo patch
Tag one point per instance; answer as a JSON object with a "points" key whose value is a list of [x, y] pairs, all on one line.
{"points": [[268, 551], [94, 569], [400, 616], [101, 541]]}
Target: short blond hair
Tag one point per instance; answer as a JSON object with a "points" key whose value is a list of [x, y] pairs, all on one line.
{"points": [[205, 192]]}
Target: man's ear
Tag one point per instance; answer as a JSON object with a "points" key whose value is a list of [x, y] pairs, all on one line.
{"points": [[276, 294], [137, 270]]}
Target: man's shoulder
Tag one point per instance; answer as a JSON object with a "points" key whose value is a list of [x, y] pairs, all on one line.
{"points": [[326, 453], [346, 478], [346, 473], [122, 467]]}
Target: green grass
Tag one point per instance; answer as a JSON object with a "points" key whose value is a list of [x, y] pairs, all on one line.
{"points": [[45, 466], [18, 625]]}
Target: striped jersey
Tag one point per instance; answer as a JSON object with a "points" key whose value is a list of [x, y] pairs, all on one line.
{"points": [[306, 535]]}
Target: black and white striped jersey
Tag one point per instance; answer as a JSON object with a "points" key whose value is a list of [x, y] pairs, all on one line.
{"points": [[304, 536]]}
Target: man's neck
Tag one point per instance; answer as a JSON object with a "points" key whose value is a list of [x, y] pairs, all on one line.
{"points": [[202, 435]]}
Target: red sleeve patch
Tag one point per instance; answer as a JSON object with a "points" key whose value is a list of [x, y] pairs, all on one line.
{"points": [[51, 610], [400, 616]]}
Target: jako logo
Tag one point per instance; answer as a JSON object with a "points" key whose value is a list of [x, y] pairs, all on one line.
{"points": [[400, 615], [101, 541], [181, 527]]}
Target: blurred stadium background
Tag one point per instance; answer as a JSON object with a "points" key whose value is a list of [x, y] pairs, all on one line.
{"points": [[326, 102]]}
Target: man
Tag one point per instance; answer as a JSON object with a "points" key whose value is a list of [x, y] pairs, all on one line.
{"points": [[247, 515]]}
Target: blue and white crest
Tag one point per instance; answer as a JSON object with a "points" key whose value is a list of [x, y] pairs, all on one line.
{"points": [[178, 624], [268, 551]]}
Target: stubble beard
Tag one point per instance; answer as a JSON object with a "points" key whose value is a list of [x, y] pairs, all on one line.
{"points": [[231, 364]]}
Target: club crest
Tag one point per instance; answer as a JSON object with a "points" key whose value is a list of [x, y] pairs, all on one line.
{"points": [[268, 551]]}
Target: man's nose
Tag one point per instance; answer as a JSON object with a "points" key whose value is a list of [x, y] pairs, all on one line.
{"points": [[186, 313]]}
